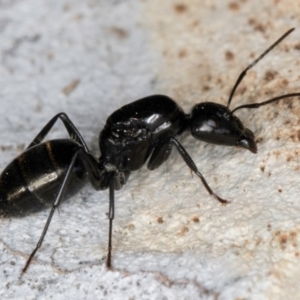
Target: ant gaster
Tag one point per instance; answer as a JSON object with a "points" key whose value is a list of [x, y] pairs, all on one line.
{"points": [[47, 173]]}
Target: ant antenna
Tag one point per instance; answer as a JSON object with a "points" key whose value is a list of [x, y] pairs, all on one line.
{"points": [[243, 74], [257, 105]]}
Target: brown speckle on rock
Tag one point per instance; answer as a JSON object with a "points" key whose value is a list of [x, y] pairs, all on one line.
{"points": [[293, 237], [5, 148], [256, 25], [229, 55], [131, 226], [233, 6], [205, 88], [21, 147], [160, 220], [270, 75], [119, 32], [297, 46], [182, 231], [180, 8], [284, 82], [195, 23], [196, 219], [259, 140], [69, 88], [283, 240], [182, 53]]}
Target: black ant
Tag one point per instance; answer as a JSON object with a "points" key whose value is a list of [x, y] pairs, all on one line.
{"points": [[144, 130]]}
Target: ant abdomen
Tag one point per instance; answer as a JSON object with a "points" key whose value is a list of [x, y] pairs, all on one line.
{"points": [[31, 181]]}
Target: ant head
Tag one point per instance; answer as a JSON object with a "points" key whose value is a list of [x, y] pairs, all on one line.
{"points": [[214, 123]]}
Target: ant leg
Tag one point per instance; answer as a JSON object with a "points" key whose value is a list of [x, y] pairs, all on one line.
{"points": [[188, 160], [111, 216], [160, 154], [72, 130], [95, 179], [54, 206]]}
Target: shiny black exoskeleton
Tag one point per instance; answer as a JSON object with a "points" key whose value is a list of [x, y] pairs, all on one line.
{"points": [[144, 131]]}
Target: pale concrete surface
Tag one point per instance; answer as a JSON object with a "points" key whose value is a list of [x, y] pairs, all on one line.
{"points": [[171, 239]]}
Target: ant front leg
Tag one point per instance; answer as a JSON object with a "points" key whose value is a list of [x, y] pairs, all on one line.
{"points": [[72, 130], [188, 160]]}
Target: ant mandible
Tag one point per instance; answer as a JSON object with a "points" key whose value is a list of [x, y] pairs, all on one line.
{"points": [[144, 130]]}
